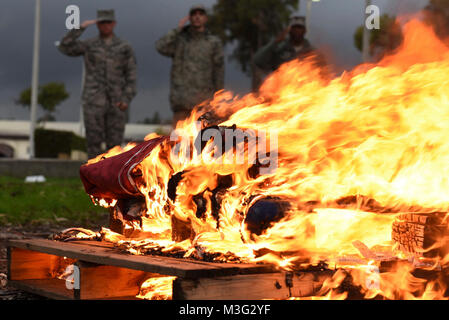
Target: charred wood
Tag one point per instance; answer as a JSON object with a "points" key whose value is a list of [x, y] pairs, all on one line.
{"points": [[421, 234], [264, 212], [181, 230]]}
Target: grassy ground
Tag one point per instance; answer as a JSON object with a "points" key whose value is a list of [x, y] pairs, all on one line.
{"points": [[61, 201]]}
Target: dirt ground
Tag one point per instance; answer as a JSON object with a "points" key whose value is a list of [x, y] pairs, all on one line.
{"points": [[19, 232]]}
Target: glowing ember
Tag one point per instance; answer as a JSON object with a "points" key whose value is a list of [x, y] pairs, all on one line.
{"points": [[157, 289]]}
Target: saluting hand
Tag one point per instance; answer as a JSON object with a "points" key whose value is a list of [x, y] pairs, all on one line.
{"points": [[183, 21], [87, 23]]}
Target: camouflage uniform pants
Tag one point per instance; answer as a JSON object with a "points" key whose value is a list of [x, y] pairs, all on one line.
{"points": [[104, 122]]}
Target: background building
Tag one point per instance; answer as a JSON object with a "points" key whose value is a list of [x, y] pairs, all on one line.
{"points": [[14, 135]]}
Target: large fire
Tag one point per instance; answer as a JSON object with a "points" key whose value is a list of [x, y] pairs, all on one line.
{"points": [[352, 153]]}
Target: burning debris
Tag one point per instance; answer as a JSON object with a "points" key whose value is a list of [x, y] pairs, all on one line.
{"points": [[74, 234], [359, 182], [422, 235]]}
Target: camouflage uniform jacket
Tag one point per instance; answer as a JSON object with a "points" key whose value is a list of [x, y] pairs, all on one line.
{"points": [[197, 69], [110, 67], [271, 56]]}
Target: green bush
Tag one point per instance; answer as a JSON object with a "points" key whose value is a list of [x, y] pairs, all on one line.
{"points": [[50, 143]]}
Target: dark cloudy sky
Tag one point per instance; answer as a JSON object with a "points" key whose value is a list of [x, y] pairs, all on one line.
{"points": [[142, 22]]}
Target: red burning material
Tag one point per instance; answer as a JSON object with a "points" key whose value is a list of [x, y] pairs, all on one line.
{"points": [[113, 178]]}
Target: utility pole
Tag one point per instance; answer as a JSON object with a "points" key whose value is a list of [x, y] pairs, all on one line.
{"points": [[309, 12], [35, 77], [366, 35]]}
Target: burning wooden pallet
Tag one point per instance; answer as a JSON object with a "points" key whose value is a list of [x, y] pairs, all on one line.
{"points": [[422, 234], [103, 272]]}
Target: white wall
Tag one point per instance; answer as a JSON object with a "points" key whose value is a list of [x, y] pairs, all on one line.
{"points": [[21, 128], [20, 147]]}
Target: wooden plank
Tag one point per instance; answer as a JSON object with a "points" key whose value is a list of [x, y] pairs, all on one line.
{"points": [[416, 233], [96, 281], [36, 272], [101, 244], [26, 264], [154, 264], [246, 287], [49, 288], [105, 282], [8, 256], [55, 289]]}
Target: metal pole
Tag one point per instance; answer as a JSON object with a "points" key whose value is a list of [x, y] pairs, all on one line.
{"points": [[83, 75], [35, 77], [366, 35], [308, 14]]}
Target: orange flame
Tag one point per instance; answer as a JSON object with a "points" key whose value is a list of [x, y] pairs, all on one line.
{"points": [[377, 132]]}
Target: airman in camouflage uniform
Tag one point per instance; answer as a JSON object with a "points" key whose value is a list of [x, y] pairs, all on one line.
{"points": [[283, 48], [110, 81], [198, 63]]}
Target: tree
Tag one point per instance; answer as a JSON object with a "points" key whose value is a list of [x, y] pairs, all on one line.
{"points": [[250, 24], [156, 119], [49, 97], [383, 40], [436, 13]]}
